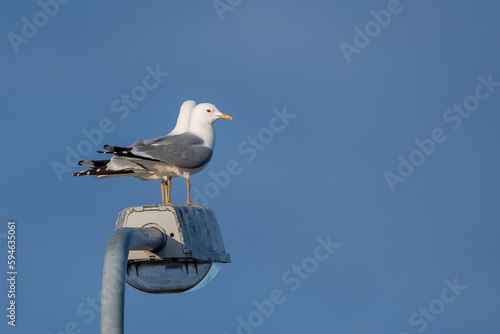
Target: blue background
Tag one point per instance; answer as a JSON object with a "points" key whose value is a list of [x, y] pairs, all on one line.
{"points": [[321, 175]]}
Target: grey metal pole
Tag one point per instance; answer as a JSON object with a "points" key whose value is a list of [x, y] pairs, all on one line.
{"points": [[119, 244]]}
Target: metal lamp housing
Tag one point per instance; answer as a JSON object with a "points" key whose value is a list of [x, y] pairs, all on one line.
{"points": [[193, 253]]}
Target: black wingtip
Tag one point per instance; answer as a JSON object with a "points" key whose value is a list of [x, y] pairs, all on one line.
{"points": [[81, 173]]}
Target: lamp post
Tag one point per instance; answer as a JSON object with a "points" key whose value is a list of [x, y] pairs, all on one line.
{"points": [[158, 249]]}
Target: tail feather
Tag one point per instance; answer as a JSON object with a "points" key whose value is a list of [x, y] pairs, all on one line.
{"points": [[103, 172], [93, 163], [123, 152], [84, 172], [114, 149], [99, 168]]}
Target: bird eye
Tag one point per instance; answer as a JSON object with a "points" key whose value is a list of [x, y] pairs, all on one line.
{"points": [[209, 111]]}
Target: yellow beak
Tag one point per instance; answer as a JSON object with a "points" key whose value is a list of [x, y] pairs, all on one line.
{"points": [[225, 116]]}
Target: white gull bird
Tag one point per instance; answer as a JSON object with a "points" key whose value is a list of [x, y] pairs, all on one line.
{"points": [[185, 151]]}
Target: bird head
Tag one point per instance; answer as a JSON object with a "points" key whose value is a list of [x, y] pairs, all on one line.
{"points": [[207, 113]]}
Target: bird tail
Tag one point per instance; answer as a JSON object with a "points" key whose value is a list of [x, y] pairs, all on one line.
{"points": [[116, 150], [99, 169], [123, 152], [93, 163]]}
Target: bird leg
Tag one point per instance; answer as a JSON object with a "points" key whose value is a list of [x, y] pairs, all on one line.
{"points": [[165, 191], [169, 189], [162, 192], [188, 201]]}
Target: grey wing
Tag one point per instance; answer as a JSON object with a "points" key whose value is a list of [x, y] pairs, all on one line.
{"points": [[149, 141], [143, 142], [186, 138], [183, 156]]}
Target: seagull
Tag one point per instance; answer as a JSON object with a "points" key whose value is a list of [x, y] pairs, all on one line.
{"points": [[184, 151], [181, 126]]}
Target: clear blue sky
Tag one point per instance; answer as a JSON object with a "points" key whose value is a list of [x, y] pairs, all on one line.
{"points": [[370, 126]]}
